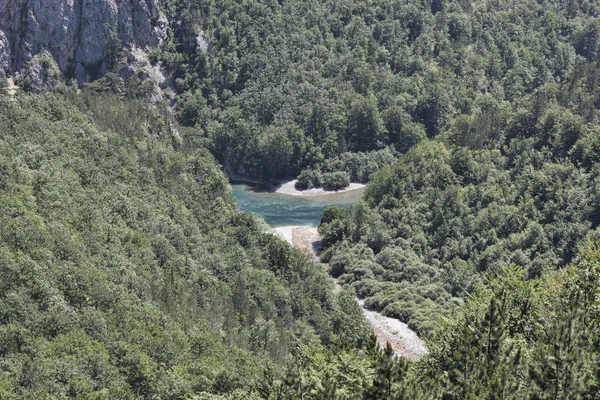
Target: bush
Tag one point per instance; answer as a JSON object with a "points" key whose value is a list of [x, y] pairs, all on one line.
{"points": [[339, 263], [308, 179], [335, 180], [332, 213], [360, 165], [399, 310]]}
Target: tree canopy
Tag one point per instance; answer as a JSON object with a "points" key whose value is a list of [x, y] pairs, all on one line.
{"points": [[127, 271]]}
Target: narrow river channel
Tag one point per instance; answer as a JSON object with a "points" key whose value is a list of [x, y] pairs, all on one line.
{"points": [[296, 219]]}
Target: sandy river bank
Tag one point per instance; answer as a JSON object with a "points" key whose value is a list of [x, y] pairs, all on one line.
{"points": [[289, 188]]}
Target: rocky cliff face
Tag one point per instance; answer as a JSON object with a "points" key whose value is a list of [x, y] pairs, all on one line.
{"points": [[74, 38]]}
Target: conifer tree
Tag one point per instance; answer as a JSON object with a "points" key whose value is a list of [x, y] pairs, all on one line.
{"points": [[389, 371]]}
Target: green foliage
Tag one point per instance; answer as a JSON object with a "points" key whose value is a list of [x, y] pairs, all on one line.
{"points": [[127, 272], [402, 131], [335, 180], [358, 167], [338, 374], [191, 109], [308, 179], [443, 215], [514, 338], [361, 76], [335, 225], [389, 372], [523, 338], [113, 50]]}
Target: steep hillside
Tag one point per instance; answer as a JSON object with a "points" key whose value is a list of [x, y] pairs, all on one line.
{"points": [[451, 212], [126, 270], [278, 87], [52, 41]]}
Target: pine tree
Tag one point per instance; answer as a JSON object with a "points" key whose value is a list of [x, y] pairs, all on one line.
{"points": [[389, 371]]}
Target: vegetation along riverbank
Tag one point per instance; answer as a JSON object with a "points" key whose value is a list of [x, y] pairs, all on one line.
{"points": [[453, 147]]}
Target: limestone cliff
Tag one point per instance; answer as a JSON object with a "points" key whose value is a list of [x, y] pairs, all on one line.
{"points": [[73, 38]]}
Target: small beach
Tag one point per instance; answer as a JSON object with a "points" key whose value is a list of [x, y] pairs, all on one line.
{"points": [[302, 237], [289, 188]]}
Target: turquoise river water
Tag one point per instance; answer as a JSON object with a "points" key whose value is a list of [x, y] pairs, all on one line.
{"points": [[282, 210]]}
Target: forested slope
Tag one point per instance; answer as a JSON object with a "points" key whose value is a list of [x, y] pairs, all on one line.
{"points": [[509, 173], [126, 270], [279, 86], [450, 212], [514, 338]]}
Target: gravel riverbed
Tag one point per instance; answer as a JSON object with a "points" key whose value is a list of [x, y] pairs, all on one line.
{"points": [[404, 341]]}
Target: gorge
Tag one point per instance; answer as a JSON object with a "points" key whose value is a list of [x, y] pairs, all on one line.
{"points": [[296, 218], [131, 268]]}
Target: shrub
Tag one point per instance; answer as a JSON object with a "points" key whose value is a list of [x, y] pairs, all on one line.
{"points": [[339, 263], [308, 179], [399, 310], [335, 180]]}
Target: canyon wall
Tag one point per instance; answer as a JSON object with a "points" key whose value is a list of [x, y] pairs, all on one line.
{"points": [[58, 39]]}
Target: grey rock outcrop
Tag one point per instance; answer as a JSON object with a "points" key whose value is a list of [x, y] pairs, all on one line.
{"points": [[43, 70], [75, 34]]}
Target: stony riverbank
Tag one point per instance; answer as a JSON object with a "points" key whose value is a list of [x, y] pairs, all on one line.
{"points": [[302, 237], [404, 341]]}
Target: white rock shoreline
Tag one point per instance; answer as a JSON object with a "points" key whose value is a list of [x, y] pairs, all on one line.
{"points": [[289, 188], [303, 237], [285, 232]]}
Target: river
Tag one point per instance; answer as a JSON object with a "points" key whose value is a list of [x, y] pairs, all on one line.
{"points": [[296, 219], [285, 210]]}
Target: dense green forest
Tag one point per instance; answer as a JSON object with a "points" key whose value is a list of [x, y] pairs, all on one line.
{"points": [[512, 179], [501, 95], [434, 224], [127, 271], [277, 87]]}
